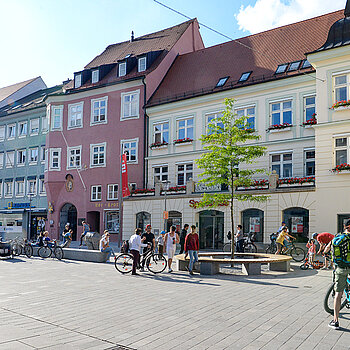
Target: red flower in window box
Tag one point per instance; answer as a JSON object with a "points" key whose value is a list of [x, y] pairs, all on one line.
{"points": [[279, 126], [158, 144], [296, 180], [340, 104], [183, 140], [341, 167], [311, 121], [143, 190]]}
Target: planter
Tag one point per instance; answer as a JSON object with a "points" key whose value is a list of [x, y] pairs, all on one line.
{"points": [[288, 128], [157, 146], [308, 126], [341, 108], [183, 142]]}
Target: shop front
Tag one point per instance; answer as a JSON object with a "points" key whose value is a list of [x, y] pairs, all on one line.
{"points": [[211, 228], [297, 220]]}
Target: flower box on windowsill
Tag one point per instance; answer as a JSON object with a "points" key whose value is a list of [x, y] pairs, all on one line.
{"points": [[158, 145], [287, 128], [342, 168], [296, 181], [143, 192], [341, 105], [183, 141], [175, 190], [309, 123]]}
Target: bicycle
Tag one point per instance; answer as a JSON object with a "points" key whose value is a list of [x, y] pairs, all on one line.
{"points": [[155, 263], [248, 245], [317, 264], [272, 248], [328, 302], [47, 249], [297, 253], [20, 245]]}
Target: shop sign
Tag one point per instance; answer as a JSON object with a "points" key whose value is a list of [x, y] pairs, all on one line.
{"points": [[297, 224], [13, 229], [107, 205], [165, 215], [195, 204], [254, 224], [11, 205]]}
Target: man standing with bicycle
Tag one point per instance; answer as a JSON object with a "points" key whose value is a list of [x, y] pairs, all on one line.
{"points": [[135, 245]]}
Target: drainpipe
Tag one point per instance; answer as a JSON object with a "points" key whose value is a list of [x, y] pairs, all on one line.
{"points": [[145, 137]]}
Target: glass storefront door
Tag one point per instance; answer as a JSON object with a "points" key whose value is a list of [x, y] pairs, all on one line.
{"points": [[211, 229]]}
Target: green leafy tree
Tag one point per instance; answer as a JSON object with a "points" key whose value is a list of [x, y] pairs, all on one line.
{"points": [[226, 149]]}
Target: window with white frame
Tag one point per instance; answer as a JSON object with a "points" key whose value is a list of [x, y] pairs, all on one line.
{"points": [[130, 147], [55, 159], [98, 155], [213, 119], [309, 107], [44, 124], [8, 188], [95, 76], [56, 117], [19, 188], [341, 87], [10, 159], [0, 188], [122, 69], [46, 165], [1, 160], [161, 132], [281, 112], [96, 192], [112, 192], [2, 133], [74, 157], [341, 150], [75, 115], [130, 105], [160, 173], [248, 112], [282, 163], [142, 64], [99, 111], [33, 155], [309, 162], [21, 157], [184, 173], [23, 129], [42, 190], [77, 80], [185, 128], [31, 186], [42, 154], [34, 126], [11, 131]]}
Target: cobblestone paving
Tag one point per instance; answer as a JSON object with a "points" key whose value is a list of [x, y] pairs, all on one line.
{"points": [[50, 304]]}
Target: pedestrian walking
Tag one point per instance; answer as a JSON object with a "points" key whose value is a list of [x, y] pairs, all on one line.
{"points": [[191, 248], [86, 229], [239, 239], [104, 245], [135, 245], [171, 238], [183, 235]]}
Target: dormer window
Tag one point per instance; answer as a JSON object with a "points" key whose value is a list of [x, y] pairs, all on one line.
{"points": [[222, 82], [294, 66], [95, 76], [122, 69], [281, 68], [244, 77], [77, 80], [306, 64], [142, 64]]}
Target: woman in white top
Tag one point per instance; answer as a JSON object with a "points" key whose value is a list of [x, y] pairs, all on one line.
{"points": [[171, 239]]}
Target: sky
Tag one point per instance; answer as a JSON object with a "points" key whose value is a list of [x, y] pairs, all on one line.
{"points": [[55, 38]]}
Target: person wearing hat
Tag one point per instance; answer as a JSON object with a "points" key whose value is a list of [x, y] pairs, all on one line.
{"points": [[323, 239], [160, 242], [148, 237]]}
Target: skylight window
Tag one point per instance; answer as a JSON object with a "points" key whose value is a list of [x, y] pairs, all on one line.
{"points": [[222, 82], [244, 77], [127, 56], [294, 66], [306, 64], [281, 68]]}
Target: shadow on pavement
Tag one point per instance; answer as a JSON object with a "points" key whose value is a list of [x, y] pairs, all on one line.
{"points": [[12, 260]]}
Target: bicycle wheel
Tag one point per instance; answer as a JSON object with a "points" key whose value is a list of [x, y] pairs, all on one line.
{"points": [[44, 252], [28, 250], [226, 248], [156, 263], [328, 302], [297, 253], [123, 263], [250, 248], [16, 249], [58, 252]]}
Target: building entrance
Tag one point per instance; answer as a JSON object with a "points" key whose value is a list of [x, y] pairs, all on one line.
{"points": [[211, 229], [68, 214]]}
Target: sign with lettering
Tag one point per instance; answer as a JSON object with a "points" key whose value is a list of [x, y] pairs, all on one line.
{"points": [[111, 205], [11, 205]]}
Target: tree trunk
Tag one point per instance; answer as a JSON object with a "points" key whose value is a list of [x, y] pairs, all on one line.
{"points": [[232, 230]]}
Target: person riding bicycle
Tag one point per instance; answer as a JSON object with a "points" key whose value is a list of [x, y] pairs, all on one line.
{"points": [[280, 240], [324, 239], [135, 245]]}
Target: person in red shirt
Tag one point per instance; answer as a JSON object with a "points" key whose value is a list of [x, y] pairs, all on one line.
{"points": [[191, 248], [323, 239]]}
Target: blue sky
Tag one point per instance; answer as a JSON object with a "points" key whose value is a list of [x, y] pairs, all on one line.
{"points": [[56, 38]]}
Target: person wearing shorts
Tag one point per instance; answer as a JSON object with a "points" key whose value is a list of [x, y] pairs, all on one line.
{"points": [[280, 239], [171, 239]]}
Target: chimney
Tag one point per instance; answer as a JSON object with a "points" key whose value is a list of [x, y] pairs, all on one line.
{"points": [[132, 37]]}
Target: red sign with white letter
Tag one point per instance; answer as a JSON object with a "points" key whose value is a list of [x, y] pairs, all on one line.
{"points": [[125, 187]]}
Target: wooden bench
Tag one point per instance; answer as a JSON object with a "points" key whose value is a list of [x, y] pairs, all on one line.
{"points": [[210, 262]]}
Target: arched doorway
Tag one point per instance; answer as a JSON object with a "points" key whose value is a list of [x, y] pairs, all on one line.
{"points": [[297, 220], [68, 213], [174, 219], [142, 219], [211, 229], [253, 222], [93, 219]]}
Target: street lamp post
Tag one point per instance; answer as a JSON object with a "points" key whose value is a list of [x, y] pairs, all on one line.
{"points": [[30, 216], [166, 184]]}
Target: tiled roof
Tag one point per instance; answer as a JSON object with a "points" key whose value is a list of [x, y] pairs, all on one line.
{"points": [[197, 73], [7, 91]]}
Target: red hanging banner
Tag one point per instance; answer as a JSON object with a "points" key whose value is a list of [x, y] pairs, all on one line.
{"points": [[125, 187]]}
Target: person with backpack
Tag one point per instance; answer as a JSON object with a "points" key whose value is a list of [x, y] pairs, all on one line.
{"points": [[340, 246], [135, 245]]}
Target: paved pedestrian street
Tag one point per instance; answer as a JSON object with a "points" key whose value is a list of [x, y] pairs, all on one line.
{"points": [[50, 304]]}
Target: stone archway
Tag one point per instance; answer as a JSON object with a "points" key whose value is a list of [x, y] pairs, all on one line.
{"points": [[68, 214]]}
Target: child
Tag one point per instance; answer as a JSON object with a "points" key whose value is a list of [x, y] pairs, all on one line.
{"points": [[160, 242], [280, 239], [312, 250]]}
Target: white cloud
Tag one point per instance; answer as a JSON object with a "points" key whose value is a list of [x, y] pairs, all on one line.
{"points": [[267, 14]]}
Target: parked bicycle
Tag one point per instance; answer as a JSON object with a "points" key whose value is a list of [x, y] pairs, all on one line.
{"points": [[155, 263], [248, 245], [48, 248], [20, 246], [307, 263], [328, 302]]}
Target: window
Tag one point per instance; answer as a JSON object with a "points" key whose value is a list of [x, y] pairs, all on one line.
{"points": [[98, 155], [248, 112], [77, 81], [46, 165], [294, 66], [122, 69], [309, 156], [283, 164], [133, 186], [75, 115], [244, 77], [34, 126], [341, 148], [99, 111], [8, 188], [11, 131], [74, 157], [221, 82], [95, 76], [130, 105], [161, 133], [1, 160], [23, 129], [160, 173], [21, 157], [31, 186], [44, 124], [306, 64], [142, 64], [214, 119], [112, 221], [42, 190], [184, 173], [281, 68], [309, 107], [33, 155], [2, 133], [130, 147], [42, 154], [96, 193], [341, 87], [112, 192], [185, 128], [281, 112], [19, 188], [57, 114], [55, 159], [10, 159]]}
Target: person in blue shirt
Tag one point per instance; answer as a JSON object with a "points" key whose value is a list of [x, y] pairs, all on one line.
{"points": [[86, 229]]}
